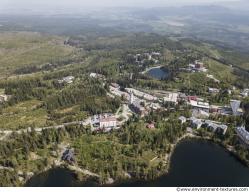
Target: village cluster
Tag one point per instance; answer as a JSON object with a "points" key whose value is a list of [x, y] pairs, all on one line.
{"points": [[141, 103]]}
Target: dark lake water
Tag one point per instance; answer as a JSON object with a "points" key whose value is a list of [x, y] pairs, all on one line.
{"points": [[194, 163], [158, 73]]}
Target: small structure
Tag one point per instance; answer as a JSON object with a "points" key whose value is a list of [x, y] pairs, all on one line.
{"points": [[245, 93], [213, 90], [4, 98], [182, 119], [115, 85], [197, 67], [68, 80], [68, 155], [151, 126], [196, 123], [198, 113], [235, 105], [200, 105], [213, 78]]}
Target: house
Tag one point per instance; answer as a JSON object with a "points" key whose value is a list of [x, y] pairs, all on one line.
{"points": [[182, 119], [243, 134], [151, 126], [137, 108], [196, 123], [245, 93], [3, 98], [68, 80], [215, 109], [107, 121], [68, 156], [213, 78], [171, 97], [235, 106], [193, 98], [115, 85], [197, 67], [215, 127], [198, 113], [213, 90], [200, 105], [97, 76]]}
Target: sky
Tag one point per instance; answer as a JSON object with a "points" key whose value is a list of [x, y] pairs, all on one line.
{"points": [[71, 5], [99, 3]]}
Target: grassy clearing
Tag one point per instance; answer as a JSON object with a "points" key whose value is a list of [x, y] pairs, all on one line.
{"points": [[23, 115], [23, 49], [220, 71]]}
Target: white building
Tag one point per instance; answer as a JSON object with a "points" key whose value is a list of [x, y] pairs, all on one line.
{"points": [[3, 98], [213, 90], [97, 76], [245, 93], [200, 105], [243, 134], [68, 80], [183, 119], [235, 105], [196, 123], [171, 97], [107, 121]]}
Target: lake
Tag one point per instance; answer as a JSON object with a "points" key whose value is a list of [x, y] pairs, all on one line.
{"points": [[158, 73], [194, 163]]}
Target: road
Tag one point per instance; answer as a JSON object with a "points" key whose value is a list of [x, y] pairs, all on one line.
{"points": [[6, 133]]}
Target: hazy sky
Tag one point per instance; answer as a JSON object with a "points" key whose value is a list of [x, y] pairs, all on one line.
{"points": [[15, 4]]}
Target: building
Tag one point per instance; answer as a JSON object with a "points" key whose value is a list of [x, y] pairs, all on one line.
{"points": [[68, 80], [193, 98], [200, 113], [196, 123], [115, 85], [243, 134], [68, 156], [197, 67], [3, 98], [107, 121], [213, 78], [182, 119], [200, 105], [138, 108], [215, 109], [97, 76], [235, 106], [245, 93], [151, 126], [171, 97], [213, 90], [216, 127]]}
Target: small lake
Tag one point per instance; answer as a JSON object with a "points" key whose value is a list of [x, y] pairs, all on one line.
{"points": [[158, 73], [194, 163]]}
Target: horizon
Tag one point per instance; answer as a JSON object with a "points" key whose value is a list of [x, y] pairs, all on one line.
{"points": [[46, 6]]}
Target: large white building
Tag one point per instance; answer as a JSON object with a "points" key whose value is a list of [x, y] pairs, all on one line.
{"points": [[107, 121], [243, 134], [200, 105], [171, 97]]}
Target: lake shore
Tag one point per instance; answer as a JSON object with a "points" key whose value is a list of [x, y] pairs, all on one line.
{"points": [[164, 172]]}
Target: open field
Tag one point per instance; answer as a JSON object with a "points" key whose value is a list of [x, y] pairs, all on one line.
{"points": [[24, 49], [24, 114]]}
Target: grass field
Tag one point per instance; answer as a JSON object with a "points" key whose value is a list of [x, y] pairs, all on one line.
{"points": [[24, 48], [23, 115]]}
